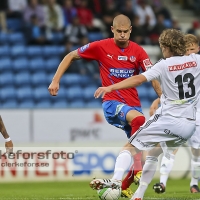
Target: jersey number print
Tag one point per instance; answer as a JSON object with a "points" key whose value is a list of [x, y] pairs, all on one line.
{"points": [[186, 78]]}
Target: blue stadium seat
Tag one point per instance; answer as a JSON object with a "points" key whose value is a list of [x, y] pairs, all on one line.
{"points": [[41, 94], [26, 104], [93, 104], [34, 51], [62, 94], [143, 92], [14, 24], [77, 104], [93, 36], [18, 50], [5, 64], [74, 93], [37, 64], [24, 93], [51, 51], [57, 38], [43, 104], [60, 104], [61, 97], [145, 103], [3, 38], [72, 80], [9, 104], [6, 79], [7, 94], [152, 94], [20, 64], [88, 93], [22, 79], [39, 78], [4, 50], [16, 38], [50, 77], [52, 64], [87, 81], [74, 47], [61, 49]]}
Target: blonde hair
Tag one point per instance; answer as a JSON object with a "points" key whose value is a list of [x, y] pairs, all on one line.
{"points": [[191, 39], [174, 40]]}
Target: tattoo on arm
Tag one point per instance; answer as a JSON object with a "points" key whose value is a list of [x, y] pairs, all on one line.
{"points": [[3, 129]]}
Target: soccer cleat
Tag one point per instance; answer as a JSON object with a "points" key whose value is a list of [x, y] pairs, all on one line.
{"points": [[194, 189], [98, 184], [127, 193], [159, 188], [137, 178]]}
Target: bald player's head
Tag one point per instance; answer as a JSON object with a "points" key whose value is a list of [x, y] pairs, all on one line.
{"points": [[121, 20], [121, 29]]}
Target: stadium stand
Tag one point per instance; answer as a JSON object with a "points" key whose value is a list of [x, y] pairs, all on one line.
{"points": [[26, 70]]}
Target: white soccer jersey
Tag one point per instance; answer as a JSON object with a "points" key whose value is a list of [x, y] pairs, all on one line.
{"points": [[179, 77]]}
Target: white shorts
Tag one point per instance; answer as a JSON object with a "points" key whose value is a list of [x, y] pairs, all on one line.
{"points": [[194, 141], [171, 130]]}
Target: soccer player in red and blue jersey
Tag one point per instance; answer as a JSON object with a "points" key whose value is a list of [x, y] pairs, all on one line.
{"points": [[118, 59]]}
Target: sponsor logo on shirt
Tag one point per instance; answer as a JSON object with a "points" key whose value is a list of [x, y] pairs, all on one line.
{"points": [[110, 56], [182, 66], [121, 73], [147, 63], [132, 58], [83, 48], [122, 58]]}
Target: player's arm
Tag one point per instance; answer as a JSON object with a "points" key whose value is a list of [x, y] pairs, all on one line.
{"points": [[156, 86], [146, 65], [8, 141], [63, 66], [154, 106], [127, 83]]}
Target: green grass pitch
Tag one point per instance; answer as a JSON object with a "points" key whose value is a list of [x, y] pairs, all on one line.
{"points": [[80, 190]]}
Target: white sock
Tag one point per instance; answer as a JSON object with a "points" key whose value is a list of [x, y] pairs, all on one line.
{"points": [[166, 167], [148, 172], [122, 164], [195, 170]]}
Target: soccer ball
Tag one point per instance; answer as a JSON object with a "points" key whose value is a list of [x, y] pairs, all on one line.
{"points": [[109, 194]]}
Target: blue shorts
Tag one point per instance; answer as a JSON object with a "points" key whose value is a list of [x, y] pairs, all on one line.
{"points": [[115, 113]]}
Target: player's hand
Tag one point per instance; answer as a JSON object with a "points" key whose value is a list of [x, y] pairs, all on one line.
{"points": [[53, 88], [9, 147], [101, 91]]}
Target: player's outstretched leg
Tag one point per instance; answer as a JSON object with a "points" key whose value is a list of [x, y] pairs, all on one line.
{"points": [[149, 170], [195, 171], [135, 171], [123, 162], [166, 167], [133, 175]]}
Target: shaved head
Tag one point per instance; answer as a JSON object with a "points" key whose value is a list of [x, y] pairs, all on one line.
{"points": [[121, 29], [121, 20]]}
